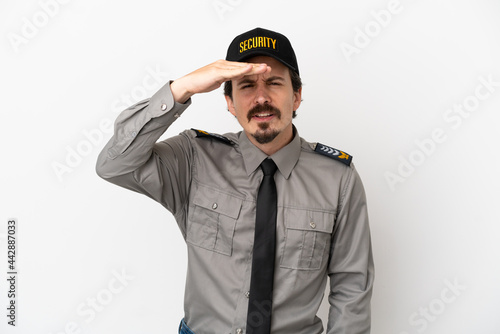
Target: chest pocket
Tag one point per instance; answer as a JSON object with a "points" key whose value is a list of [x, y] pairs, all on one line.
{"points": [[212, 220], [307, 238]]}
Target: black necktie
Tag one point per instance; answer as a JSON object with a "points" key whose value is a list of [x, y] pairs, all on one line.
{"points": [[261, 283]]}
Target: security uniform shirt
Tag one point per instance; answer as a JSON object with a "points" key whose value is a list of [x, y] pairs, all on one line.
{"points": [[210, 185]]}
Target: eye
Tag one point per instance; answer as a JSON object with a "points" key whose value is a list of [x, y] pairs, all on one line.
{"points": [[246, 86], [275, 83]]}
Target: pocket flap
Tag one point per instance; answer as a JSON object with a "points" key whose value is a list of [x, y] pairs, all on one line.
{"points": [[217, 201], [309, 220]]}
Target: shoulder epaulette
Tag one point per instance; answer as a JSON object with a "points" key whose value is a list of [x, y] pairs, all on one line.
{"points": [[225, 140], [333, 153]]}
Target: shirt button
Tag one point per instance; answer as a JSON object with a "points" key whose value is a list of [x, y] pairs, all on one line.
{"points": [[312, 224], [247, 294], [239, 331], [163, 107], [214, 206]]}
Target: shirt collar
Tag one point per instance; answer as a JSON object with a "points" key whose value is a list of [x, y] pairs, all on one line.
{"points": [[286, 158]]}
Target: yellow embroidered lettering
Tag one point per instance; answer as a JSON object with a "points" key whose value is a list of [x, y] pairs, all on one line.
{"points": [[274, 43], [257, 42]]}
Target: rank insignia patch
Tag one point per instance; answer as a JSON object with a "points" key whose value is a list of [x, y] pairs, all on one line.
{"points": [[225, 140], [333, 153]]}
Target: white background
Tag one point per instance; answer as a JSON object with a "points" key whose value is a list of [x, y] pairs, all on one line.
{"points": [[67, 73]]}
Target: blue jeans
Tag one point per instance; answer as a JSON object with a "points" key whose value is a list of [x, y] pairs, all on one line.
{"points": [[184, 329]]}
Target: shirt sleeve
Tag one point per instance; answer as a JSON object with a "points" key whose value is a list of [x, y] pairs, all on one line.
{"points": [[351, 268], [134, 160]]}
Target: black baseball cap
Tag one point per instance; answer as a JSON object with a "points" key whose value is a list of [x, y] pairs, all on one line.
{"points": [[262, 42]]}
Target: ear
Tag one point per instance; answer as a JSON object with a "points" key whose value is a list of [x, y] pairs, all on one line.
{"points": [[230, 105], [297, 99]]}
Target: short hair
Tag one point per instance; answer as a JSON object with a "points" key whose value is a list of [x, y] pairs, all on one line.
{"points": [[294, 76]]}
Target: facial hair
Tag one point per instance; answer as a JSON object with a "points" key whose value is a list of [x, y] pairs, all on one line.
{"points": [[263, 135]]}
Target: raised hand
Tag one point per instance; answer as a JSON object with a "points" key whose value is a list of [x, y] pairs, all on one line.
{"points": [[212, 76]]}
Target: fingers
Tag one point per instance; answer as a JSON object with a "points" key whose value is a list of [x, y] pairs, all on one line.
{"points": [[260, 68], [233, 70], [210, 77], [254, 69]]}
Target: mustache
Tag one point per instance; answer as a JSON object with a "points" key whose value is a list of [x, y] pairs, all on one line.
{"points": [[263, 107]]}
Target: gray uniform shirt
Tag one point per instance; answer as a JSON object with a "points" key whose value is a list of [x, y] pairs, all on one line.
{"points": [[210, 186]]}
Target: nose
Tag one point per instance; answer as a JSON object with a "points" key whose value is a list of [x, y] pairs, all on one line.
{"points": [[262, 95]]}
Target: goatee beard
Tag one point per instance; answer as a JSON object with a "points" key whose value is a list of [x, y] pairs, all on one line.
{"points": [[263, 135]]}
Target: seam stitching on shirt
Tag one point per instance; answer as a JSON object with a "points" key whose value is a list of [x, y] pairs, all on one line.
{"points": [[344, 191], [193, 168]]}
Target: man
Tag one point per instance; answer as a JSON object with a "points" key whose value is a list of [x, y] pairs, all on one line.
{"points": [[266, 215]]}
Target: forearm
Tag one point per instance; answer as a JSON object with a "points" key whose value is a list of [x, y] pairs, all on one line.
{"points": [[136, 131], [134, 160]]}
